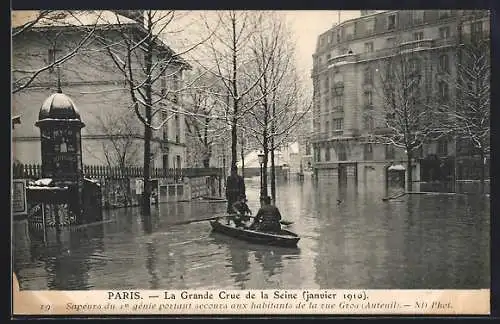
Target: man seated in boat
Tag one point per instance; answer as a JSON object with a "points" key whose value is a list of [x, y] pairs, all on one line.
{"points": [[268, 217], [242, 211]]}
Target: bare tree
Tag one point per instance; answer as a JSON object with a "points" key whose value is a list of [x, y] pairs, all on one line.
{"points": [[48, 25], [152, 72], [120, 143], [229, 60], [205, 123], [468, 115], [278, 93], [407, 119]]}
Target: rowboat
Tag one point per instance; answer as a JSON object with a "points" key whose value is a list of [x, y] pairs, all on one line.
{"points": [[284, 238]]}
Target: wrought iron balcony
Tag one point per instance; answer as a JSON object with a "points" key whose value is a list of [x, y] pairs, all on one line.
{"points": [[417, 44]]}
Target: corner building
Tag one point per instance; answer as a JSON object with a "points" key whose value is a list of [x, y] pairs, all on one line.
{"points": [[347, 87]]}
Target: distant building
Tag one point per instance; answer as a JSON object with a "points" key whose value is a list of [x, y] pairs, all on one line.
{"points": [[345, 88], [98, 89]]}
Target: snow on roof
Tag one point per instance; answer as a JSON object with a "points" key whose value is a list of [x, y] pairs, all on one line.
{"points": [[60, 18]]}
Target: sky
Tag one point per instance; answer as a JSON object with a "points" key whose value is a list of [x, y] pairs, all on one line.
{"points": [[308, 25]]}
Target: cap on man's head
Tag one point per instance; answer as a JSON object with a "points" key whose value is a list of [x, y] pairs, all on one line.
{"points": [[267, 199]]}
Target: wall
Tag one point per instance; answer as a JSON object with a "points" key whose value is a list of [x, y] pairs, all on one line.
{"points": [[98, 89]]}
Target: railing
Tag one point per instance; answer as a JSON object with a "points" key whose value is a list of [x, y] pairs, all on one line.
{"points": [[420, 44], [345, 58], [34, 171]]}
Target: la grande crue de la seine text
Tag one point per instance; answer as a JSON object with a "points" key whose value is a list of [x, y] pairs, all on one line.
{"points": [[305, 295]]}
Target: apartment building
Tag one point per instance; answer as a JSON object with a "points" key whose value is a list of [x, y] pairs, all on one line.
{"points": [[98, 88], [347, 80]]}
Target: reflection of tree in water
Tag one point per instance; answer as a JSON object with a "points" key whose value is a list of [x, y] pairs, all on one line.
{"points": [[239, 264], [151, 265], [69, 255]]}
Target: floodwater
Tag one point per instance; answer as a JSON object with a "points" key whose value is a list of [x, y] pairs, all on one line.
{"points": [[350, 238]]}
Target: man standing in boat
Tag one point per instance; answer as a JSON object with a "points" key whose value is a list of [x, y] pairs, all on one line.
{"points": [[235, 188], [268, 217]]}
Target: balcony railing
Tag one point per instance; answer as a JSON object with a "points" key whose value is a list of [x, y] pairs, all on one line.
{"points": [[418, 44], [345, 58]]}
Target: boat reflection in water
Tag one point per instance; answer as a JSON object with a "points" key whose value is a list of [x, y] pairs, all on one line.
{"points": [[268, 260]]}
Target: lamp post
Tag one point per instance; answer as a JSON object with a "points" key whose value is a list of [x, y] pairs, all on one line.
{"points": [[261, 162]]}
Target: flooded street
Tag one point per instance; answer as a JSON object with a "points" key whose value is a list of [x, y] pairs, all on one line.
{"points": [[350, 238]]}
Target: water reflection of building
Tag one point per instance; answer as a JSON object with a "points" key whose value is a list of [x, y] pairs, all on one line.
{"points": [[345, 90], [67, 255]]}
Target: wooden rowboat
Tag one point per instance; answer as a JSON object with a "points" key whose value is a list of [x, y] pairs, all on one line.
{"points": [[284, 238]]}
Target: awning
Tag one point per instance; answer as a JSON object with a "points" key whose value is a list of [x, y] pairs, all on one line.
{"points": [[397, 167]]}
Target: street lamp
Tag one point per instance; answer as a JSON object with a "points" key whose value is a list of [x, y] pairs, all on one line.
{"points": [[261, 162]]}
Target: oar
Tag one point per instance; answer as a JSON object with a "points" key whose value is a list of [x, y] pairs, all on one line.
{"points": [[282, 222], [199, 220]]}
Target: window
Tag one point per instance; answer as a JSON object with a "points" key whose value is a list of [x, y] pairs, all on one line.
{"points": [[414, 66], [176, 86], [349, 32], [443, 91], [338, 101], [329, 39], [52, 58], [389, 152], [163, 85], [327, 103], [368, 151], [391, 42], [444, 32], [418, 36], [370, 26], [368, 98], [338, 124], [417, 17], [476, 30], [327, 127], [391, 22], [368, 75], [328, 56], [164, 117], [442, 147], [177, 128], [341, 152], [369, 47], [327, 153], [444, 64], [326, 84], [165, 163], [339, 35], [178, 162], [369, 123], [444, 13]]}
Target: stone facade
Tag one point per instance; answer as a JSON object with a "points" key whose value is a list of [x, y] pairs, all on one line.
{"points": [[99, 91], [343, 99]]}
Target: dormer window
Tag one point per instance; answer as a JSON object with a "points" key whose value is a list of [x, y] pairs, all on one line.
{"points": [[391, 22]]}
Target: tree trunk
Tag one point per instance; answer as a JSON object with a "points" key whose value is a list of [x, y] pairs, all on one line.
{"points": [[242, 158], [264, 170], [234, 139], [234, 135], [483, 171], [409, 171], [146, 194], [273, 167], [273, 173], [148, 58]]}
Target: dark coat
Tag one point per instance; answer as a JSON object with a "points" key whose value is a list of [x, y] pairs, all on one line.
{"points": [[235, 187], [268, 218]]}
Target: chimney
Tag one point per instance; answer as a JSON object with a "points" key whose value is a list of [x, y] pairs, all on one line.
{"points": [[367, 12]]}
